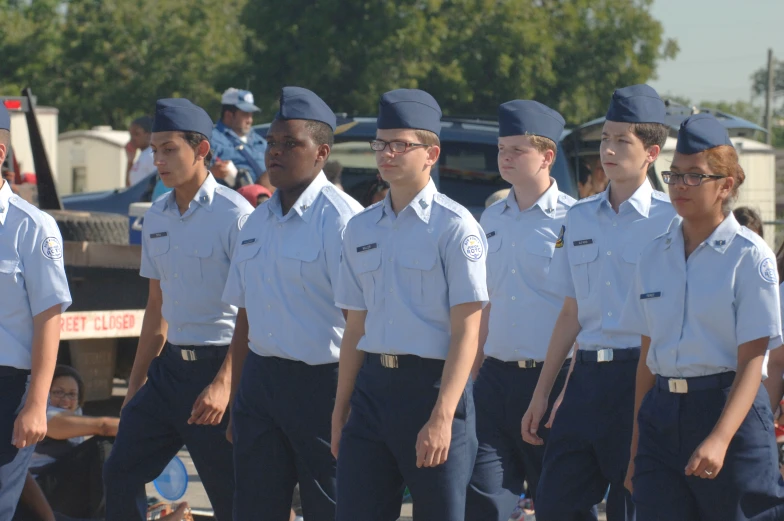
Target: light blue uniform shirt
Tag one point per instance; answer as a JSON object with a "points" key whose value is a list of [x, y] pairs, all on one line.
{"points": [[32, 275], [698, 311], [284, 273], [408, 270], [190, 254], [602, 249], [520, 248]]}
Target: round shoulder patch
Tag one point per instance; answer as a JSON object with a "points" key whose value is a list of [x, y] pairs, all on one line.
{"points": [[768, 271], [472, 248], [52, 249], [243, 220]]}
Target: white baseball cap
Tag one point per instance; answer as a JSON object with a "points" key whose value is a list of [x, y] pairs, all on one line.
{"points": [[242, 99]]}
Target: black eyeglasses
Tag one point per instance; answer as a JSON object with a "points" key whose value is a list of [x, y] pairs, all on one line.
{"points": [[60, 394], [672, 178], [398, 147]]}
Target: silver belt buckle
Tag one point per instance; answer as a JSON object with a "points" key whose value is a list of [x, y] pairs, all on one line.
{"points": [[526, 364], [678, 385], [389, 361], [188, 355], [604, 355]]}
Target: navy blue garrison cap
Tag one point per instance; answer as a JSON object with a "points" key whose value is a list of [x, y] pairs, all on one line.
{"points": [[299, 103], [409, 108], [519, 117], [5, 118], [636, 104], [180, 115], [701, 132]]}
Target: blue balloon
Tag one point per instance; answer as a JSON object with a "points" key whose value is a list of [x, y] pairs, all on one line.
{"points": [[173, 481]]}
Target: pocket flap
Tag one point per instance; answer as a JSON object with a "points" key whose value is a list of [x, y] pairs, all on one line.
{"points": [[417, 260], [583, 254], [632, 253], [494, 244], [244, 252], [158, 245], [541, 247], [302, 251], [368, 261], [201, 251]]}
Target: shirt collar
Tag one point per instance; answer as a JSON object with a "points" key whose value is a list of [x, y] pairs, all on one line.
{"points": [[421, 204], [719, 240], [547, 202], [640, 199], [304, 202], [5, 200], [203, 197]]}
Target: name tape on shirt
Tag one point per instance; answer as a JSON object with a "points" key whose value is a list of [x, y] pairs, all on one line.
{"points": [[654, 294], [583, 242], [768, 271], [472, 248], [491, 234], [52, 249], [158, 235], [248, 241], [367, 247]]}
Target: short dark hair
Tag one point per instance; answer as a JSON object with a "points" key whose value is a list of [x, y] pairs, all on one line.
{"points": [[320, 132], [651, 133], [229, 108], [143, 122], [333, 169], [194, 139], [749, 218], [66, 370]]}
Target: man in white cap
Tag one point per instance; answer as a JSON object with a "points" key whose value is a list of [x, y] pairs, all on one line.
{"points": [[236, 147]]}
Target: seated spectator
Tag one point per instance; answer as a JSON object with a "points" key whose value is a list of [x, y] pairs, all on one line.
{"points": [[749, 218], [139, 168], [496, 196], [333, 169], [376, 192]]}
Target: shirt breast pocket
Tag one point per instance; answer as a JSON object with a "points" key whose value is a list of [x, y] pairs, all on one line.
{"points": [[580, 259], [419, 276], [368, 270], [8, 276], [495, 263], [538, 255], [296, 264], [159, 252], [244, 254], [196, 263]]}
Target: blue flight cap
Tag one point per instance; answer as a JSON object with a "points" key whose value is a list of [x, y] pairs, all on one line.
{"points": [[636, 104], [519, 117], [409, 108], [701, 132], [180, 115], [299, 103]]}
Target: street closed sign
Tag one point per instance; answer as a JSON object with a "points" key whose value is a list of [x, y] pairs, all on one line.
{"points": [[80, 325]]}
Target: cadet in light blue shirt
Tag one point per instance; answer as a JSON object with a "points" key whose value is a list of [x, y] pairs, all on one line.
{"points": [[705, 300], [188, 238], [522, 231], [33, 294], [413, 280], [593, 268], [283, 276]]}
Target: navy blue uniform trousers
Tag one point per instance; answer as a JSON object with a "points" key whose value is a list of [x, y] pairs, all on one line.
{"points": [[13, 462], [154, 427], [589, 443], [672, 426], [377, 457], [282, 422], [502, 393]]}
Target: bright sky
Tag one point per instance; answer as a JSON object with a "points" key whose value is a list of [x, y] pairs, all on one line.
{"points": [[722, 43]]}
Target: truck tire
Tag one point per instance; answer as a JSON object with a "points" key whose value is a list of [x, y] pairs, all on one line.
{"points": [[107, 228]]}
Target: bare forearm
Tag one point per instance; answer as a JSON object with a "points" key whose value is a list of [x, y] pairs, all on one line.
{"points": [[66, 426], [775, 381], [151, 341], [46, 342], [744, 390], [35, 500], [351, 360], [562, 341], [463, 348]]}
